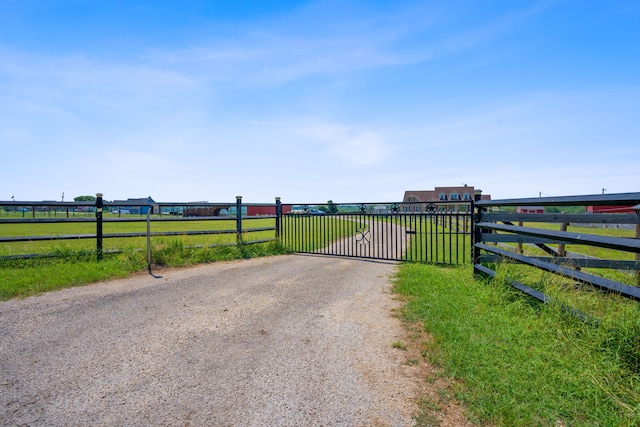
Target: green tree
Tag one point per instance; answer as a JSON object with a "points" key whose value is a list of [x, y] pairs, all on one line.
{"points": [[332, 207], [84, 199]]}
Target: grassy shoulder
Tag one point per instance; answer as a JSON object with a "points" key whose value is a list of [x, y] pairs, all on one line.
{"points": [[514, 362], [71, 267]]}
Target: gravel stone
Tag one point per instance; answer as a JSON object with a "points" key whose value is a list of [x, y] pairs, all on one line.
{"points": [[289, 340]]}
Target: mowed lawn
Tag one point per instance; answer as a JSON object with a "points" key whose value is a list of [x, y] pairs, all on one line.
{"points": [[121, 243], [74, 262], [508, 360]]}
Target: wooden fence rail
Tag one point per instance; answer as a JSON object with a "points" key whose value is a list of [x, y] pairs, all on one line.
{"points": [[501, 234]]}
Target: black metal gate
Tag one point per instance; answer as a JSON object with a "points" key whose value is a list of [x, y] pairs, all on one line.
{"points": [[432, 233]]}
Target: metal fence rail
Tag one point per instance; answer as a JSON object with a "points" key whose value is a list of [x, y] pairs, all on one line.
{"points": [[437, 233], [380, 231], [540, 240], [33, 214]]}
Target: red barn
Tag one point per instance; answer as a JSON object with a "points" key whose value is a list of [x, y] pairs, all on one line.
{"points": [[266, 210], [530, 209], [609, 209]]}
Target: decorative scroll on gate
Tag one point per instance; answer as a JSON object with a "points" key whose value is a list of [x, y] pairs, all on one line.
{"points": [[392, 231]]}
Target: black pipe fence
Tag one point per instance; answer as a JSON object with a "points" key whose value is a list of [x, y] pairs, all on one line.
{"points": [[28, 223], [576, 237], [484, 233]]}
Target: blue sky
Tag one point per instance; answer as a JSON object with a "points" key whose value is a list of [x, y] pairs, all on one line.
{"points": [[316, 100]]}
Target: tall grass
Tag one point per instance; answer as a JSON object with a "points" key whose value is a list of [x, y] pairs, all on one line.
{"points": [[627, 277], [71, 267], [515, 362], [444, 239], [117, 243], [304, 233], [25, 277], [73, 262]]}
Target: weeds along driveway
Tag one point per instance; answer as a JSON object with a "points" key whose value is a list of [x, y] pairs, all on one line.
{"points": [[287, 341]]}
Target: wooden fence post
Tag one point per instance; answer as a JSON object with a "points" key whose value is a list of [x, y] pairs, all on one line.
{"points": [[520, 248], [561, 247]]}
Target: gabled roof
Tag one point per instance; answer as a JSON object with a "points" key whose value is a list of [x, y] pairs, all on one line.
{"points": [[434, 195], [458, 189], [420, 196], [142, 200]]}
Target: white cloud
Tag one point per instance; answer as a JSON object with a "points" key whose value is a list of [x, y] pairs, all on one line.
{"points": [[362, 149], [354, 148], [311, 102]]}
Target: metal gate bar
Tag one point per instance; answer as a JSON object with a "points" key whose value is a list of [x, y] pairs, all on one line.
{"points": [[432, 237]]}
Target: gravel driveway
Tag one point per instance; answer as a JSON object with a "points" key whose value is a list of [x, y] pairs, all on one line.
{"points": [[280, 341]]}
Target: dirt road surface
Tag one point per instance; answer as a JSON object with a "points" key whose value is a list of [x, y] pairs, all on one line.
{"points": [[280, 341], [379, 239]]}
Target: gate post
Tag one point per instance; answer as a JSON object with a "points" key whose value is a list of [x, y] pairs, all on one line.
{"points": [[99, 205], [239, 220], [278, 217], [638, 255], [149, 238], [476, 236]]}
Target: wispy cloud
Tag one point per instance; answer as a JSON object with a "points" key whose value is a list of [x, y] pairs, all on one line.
{"points": [[329, 39], [323, 93], [362, 149], [84, 71], [271, 58], [354, 148], [483, 32], [318, 39], [269, 52]]}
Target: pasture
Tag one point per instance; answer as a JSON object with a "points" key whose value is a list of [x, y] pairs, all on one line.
{"points": [[72, 262], [158, 225], [512, 361], [509, 360]]}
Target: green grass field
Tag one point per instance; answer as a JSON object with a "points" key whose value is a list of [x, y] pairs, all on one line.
{"points": [[512, 361], [440, 241], [584, 298], [60, 229], [72, 267], [627, 277], [584, 249], [509, 360], [74, 262], [310, 233]]}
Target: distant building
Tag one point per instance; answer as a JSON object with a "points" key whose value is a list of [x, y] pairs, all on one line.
{"points": [[530, 209], [140, 210], [445, 199], [253, 210], [609, 209]]}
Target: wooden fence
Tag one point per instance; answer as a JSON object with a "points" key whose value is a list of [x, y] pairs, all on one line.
{"points": [[574, 237]]}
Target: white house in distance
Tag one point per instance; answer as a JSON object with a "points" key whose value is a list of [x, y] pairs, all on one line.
{"points": [[449, 199]]}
